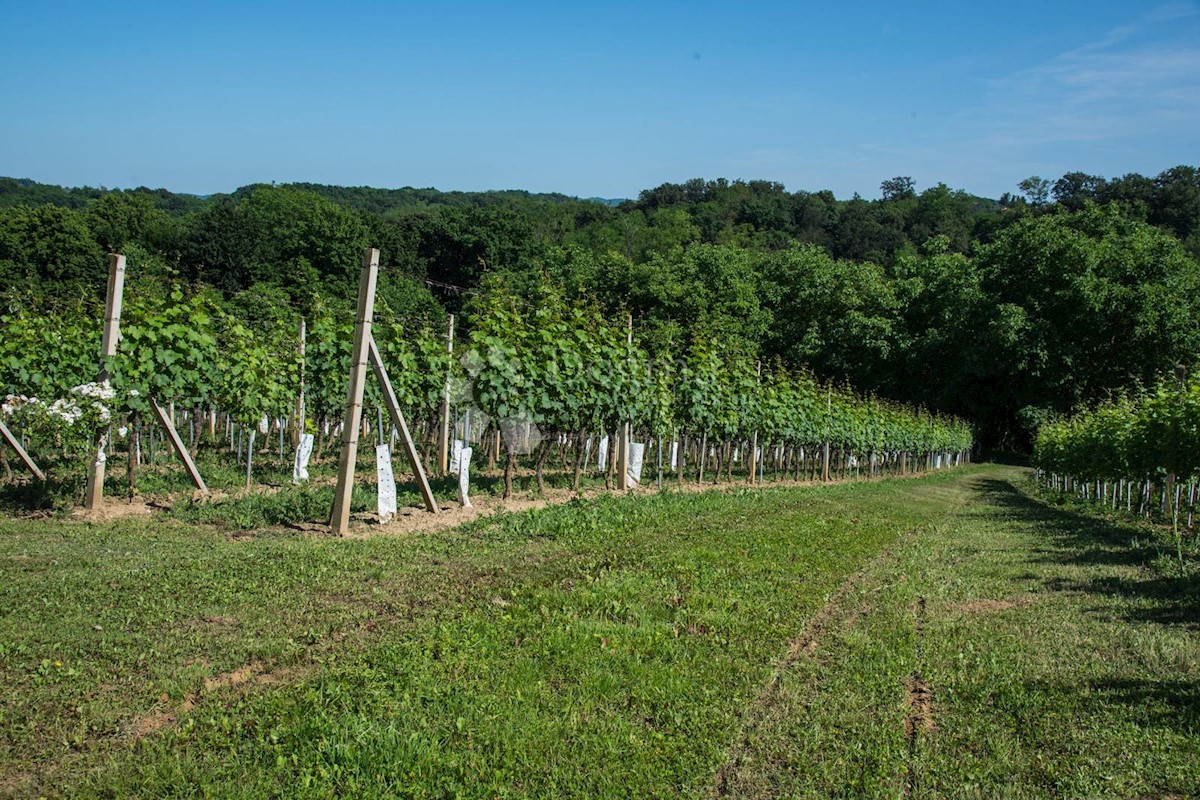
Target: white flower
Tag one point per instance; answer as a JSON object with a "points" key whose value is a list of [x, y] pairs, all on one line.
{"points": [[123, 431], [134, 393], [99, 391]]}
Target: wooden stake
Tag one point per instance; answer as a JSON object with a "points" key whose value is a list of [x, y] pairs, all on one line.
{"points": [[754, 436], [164, 419], [299, 431], [340, 517], [114, 297], [15, 443], [112, 308], [623, 443], [444, 433], [410, 447]]}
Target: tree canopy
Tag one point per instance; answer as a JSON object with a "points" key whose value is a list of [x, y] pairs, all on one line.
{"points": [[997, 310]]}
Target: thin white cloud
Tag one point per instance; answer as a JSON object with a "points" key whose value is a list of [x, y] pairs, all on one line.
{"points": [[1141, 79]]}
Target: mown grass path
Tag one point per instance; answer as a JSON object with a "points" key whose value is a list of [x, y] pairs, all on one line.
{"points": [[940, 637], [1015, 650]]}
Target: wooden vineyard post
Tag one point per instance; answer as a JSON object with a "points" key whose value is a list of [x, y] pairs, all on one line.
{"points": [[623, 442], [389, 399], [114, 297], [177, 443], [339, 520], [299, 429], [444, 431], [754, 436], [828, 425], [12, 441], [753, 458]]}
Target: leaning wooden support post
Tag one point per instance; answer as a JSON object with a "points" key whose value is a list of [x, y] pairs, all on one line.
{"points": [[444, 431], [339, 520], [410, 447], [181, 450], [14, 442], [94, 494]]}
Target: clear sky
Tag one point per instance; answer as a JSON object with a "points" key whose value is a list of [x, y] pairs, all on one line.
{"points": [[595, 99]]}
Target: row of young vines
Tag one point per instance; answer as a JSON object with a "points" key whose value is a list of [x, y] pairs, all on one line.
{"points": [[530, 360], [573, 373], [1139, 453]]}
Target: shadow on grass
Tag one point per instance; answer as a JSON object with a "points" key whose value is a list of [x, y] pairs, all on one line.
{"points": [[1168, 703], [1081, 539], [29, 496]]}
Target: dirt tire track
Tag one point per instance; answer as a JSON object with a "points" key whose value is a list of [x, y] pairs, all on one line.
{"points": [[919, 719], [837, 613]]}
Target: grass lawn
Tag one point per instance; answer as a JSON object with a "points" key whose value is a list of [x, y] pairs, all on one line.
{"points": [[946, 636]]}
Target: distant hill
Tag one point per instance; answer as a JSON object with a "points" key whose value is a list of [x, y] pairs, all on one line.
{"points": [[367, 198], [26, 192], [23, 191]]}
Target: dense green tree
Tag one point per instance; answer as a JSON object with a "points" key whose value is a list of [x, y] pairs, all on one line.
{"points": [[712, 290], [1075, 189], [834, 315], [50, 252], [290, 238], [122, 219], [1036, 190], [898, 188], [1175, 202], [1087, 302], [939, 211], [864, 232], [455, 247], [943, 355]]}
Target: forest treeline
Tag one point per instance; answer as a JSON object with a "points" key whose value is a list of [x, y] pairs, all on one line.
{"points": [[1005, 311]]}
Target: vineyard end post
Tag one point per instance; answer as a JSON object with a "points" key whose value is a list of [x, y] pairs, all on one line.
{"points": [[339, 520], [298, 431], [114, 297], [623, 444], [444, 432]]}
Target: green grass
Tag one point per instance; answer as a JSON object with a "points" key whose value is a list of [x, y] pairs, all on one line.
{"points": [[621, 647], [1062, 661]]}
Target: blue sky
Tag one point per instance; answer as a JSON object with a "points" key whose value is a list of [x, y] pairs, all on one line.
{"points": [[595, 99]]}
